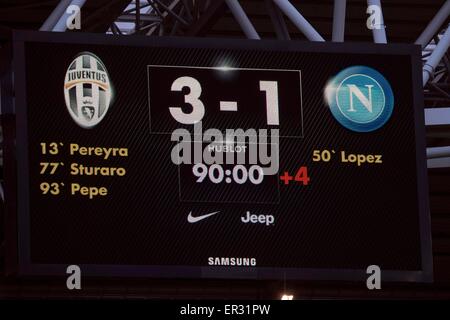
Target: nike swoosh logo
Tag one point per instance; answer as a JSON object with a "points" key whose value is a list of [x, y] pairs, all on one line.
{"points": [[192, 219]]}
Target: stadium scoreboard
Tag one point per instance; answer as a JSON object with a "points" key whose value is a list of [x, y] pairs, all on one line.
{"points": [[207, 158]]}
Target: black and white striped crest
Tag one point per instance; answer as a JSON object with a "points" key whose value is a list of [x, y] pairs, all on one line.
{"points": [[87, 90]]}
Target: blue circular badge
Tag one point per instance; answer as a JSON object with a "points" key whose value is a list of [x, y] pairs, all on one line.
{"points": [[360, 98]]}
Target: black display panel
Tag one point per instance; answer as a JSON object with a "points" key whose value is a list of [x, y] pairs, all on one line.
{"points": [[220, 158]]}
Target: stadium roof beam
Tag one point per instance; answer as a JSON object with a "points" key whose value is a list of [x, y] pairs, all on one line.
{"points": [[169, 10], [438, 152], [56, 14], [278, 22], [436, 56], [138, 16], [433, 27], [438, 163], [188, 9], [339, 20], [242, 19], [437, 116], [141, 6], [207, 19], [378, 31], [115, 29], [143, 18], [300, 22]]}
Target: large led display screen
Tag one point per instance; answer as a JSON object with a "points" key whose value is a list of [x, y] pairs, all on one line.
{"points": [[211, 158]]}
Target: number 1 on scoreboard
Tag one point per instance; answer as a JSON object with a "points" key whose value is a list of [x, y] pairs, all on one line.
{"points": [[271, 89]]}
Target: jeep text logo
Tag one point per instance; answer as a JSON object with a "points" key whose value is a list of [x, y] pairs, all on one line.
{"points": [[265, 219]]}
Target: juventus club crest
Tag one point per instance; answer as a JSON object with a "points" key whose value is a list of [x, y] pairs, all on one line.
{"points": [[87, 90]]}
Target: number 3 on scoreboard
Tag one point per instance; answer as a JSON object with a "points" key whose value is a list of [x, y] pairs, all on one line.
{"points": [[198, 108], [192, 98]]}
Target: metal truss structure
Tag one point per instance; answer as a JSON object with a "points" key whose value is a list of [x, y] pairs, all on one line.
{"points": [[437, 88]]}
